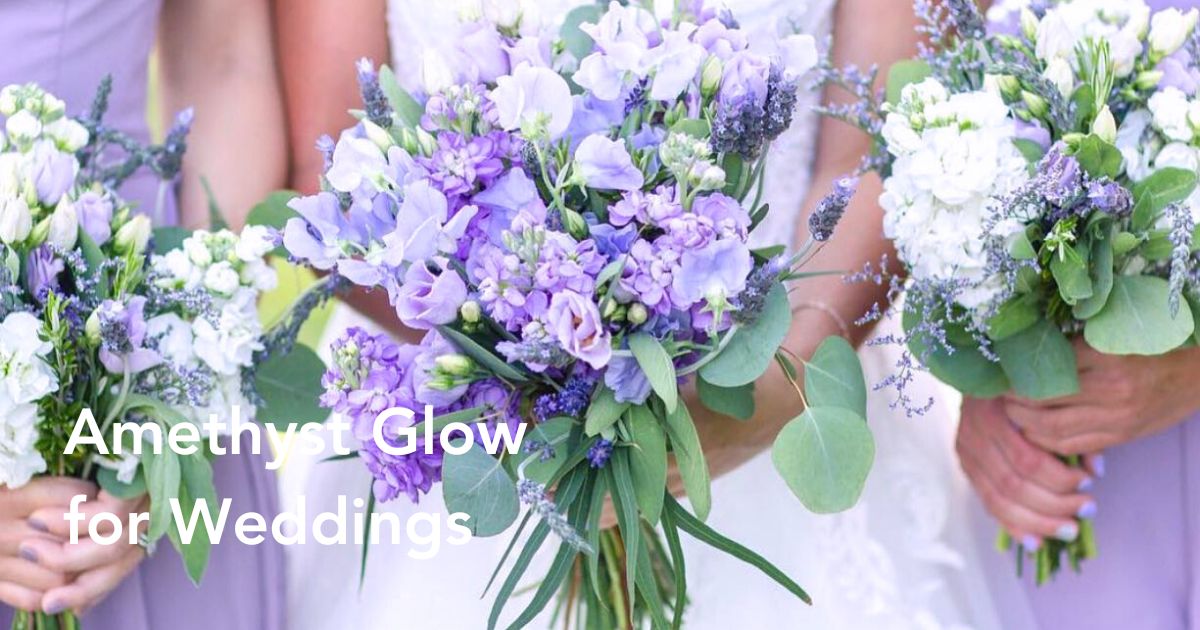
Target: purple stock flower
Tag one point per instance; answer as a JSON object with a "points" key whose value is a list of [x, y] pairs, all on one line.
{"points": [[567, 265], [95, 212], [459, 165], [575, 322], [42, 269], [648, 275], [395, 475], [53, 172], [122, 333], [714, 273], [627, 380], [429, 298], [605, 164]]}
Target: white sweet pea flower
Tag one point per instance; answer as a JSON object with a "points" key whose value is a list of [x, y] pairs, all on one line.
{"points": [[259, 275], [16, 221], [221, 278], [19, 457], [1137, 157], [23, 126], [1169, 29]]}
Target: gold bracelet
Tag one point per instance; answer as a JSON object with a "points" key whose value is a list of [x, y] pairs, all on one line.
{"points": [[828, 310]]}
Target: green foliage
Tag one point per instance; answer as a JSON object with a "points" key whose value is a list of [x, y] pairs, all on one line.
{"points": [[475, 483], [903, 73], [824, 455], [657, 365], [1161, 189], [1137, 319], [735, 402], [834, 377], [286, 384], [647, 461], [752, 348], [1039, 362], [689, 456]]}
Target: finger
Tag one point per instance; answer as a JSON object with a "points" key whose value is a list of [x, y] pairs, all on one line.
{"points": [[55, 521], [14, 533], [1033, 462], [1055, 423], [1095, 463], [1016, 481], [1013, 516], [86, 555], [20, 597], [27, 573], [45, 492], [89, 588], [1080, 444]]}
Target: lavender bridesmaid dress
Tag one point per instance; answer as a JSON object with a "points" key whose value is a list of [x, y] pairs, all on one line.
{"points": [[1147, 572], [67, 46]]}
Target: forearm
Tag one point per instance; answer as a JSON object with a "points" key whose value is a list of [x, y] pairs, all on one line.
{"points": [[218, 57]]}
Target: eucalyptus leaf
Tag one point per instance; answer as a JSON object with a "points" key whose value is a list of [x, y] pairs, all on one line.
{"points": [[834, 377], [274, 212], [657, 365], [1099, 158], [1070, 271], [603, 412], [1032, 151], [577, 42], [735, 402], [1162, 188], [695, 127], [107, 478], [163, 477], [475, 483], [753, 347], [286, 384], [1123, 243], [1039, 362], [965, 369], [1012, 317], [689, 456], [824, 455], [1100, 265], [169, 237], [648, 462], [1022, 248], [1137, 319]]}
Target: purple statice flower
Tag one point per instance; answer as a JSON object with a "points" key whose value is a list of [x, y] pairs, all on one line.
{"points": [[460, 166], [95, 212], [428, 297], [648, 275], [599, 452], [315, 236], [375, 102], [535, 101], [654, 208], [52, 172], [611, 241], [42, 270], [566, 265], [754, 110], [1110, 197], [831, 208], [715, 273], [627, 380], [122, 328], [571, 402], [605, 164], [575, 322]]}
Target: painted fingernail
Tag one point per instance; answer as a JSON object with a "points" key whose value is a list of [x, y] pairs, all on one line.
{"points": [[37, 525], [53, 608], [1098, 465], [1087, 511], [1031, 543], [1085, 485], [28, 554], [1067, 532]]}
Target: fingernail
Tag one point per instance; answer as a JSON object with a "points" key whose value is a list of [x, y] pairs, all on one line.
{"points": [[28, 554], [1085, 485], [37, 524], [1087, 511], [53, 608], [1098, 465], [1031, 543], [1067, 532]]}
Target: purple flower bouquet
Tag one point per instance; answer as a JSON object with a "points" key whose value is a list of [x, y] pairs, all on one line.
{"points": [[570, 225]]}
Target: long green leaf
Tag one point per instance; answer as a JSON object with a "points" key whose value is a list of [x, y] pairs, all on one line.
{"points": [[648, 587], [689, 456], [623, 500], [671, 532], [522, 564], [603, 412], [482, 355], [657, 365], [708, 536], [648, 462]]}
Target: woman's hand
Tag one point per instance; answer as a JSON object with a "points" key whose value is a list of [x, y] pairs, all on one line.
{"points": [[24, 582], [1120, 399], [95, 569], [1031, 492]]}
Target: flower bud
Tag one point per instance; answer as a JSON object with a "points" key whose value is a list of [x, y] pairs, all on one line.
{"points": [[608, 308], [470, 311], [574, 223], [1169, 29], [1148, 79], [91, 329], [1036, 104], [713, 178], [16, 221], [1008, 85], [710, 76], [426, 142], [1105, 126], [378, 135], [1060, 73], [455, 364], [8, 100], [133, 236], [23, 126], [64, 225], [1029, 24], [637, 314]]}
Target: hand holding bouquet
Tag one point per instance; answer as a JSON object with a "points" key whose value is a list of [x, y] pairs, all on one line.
{"points": [[570, 226], [1042, 186]]}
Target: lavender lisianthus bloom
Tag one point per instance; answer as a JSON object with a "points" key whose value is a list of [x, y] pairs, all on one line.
{"points": [[95, 212], [429, 298], [535, 101], [605, 164], [122, 331], [53, 172], [575, 322], [42, 269], [1110, 197], [315, 236], [714, 273], [627, 380], [1034, 133]]}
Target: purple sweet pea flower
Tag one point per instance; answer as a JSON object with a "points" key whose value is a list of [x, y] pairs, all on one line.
{"points": [[627, 380], [676, 64], [605, 165], [714, 273], [593, 115], [728, 218], [122, 333], [424, 226], [95, 212], [428, 299], [534, 98], [314, 237], [720, 40], [745, 80], [1178, 72], [427, 392], [623, 37], [480, 45], [611, 241], [575, 322], [53, 172], [512, 194], [42, 269]]}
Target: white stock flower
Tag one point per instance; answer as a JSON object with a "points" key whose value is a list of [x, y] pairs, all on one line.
{"points": [[177, 265], [197, 251], [68, 134], [230, 345], [173, 337], [255, 242], [19, 457], [1169, 108], [1177, 155], [222, 279], [259, 275], [23, 126], [1121, 23]]}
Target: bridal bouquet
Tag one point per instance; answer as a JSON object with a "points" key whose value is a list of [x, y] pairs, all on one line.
{"points": [[1040, 187], [97, 329], [569, 224]]}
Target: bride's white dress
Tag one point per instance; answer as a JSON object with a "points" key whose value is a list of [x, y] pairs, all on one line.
{"points": [[901, 559]]}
